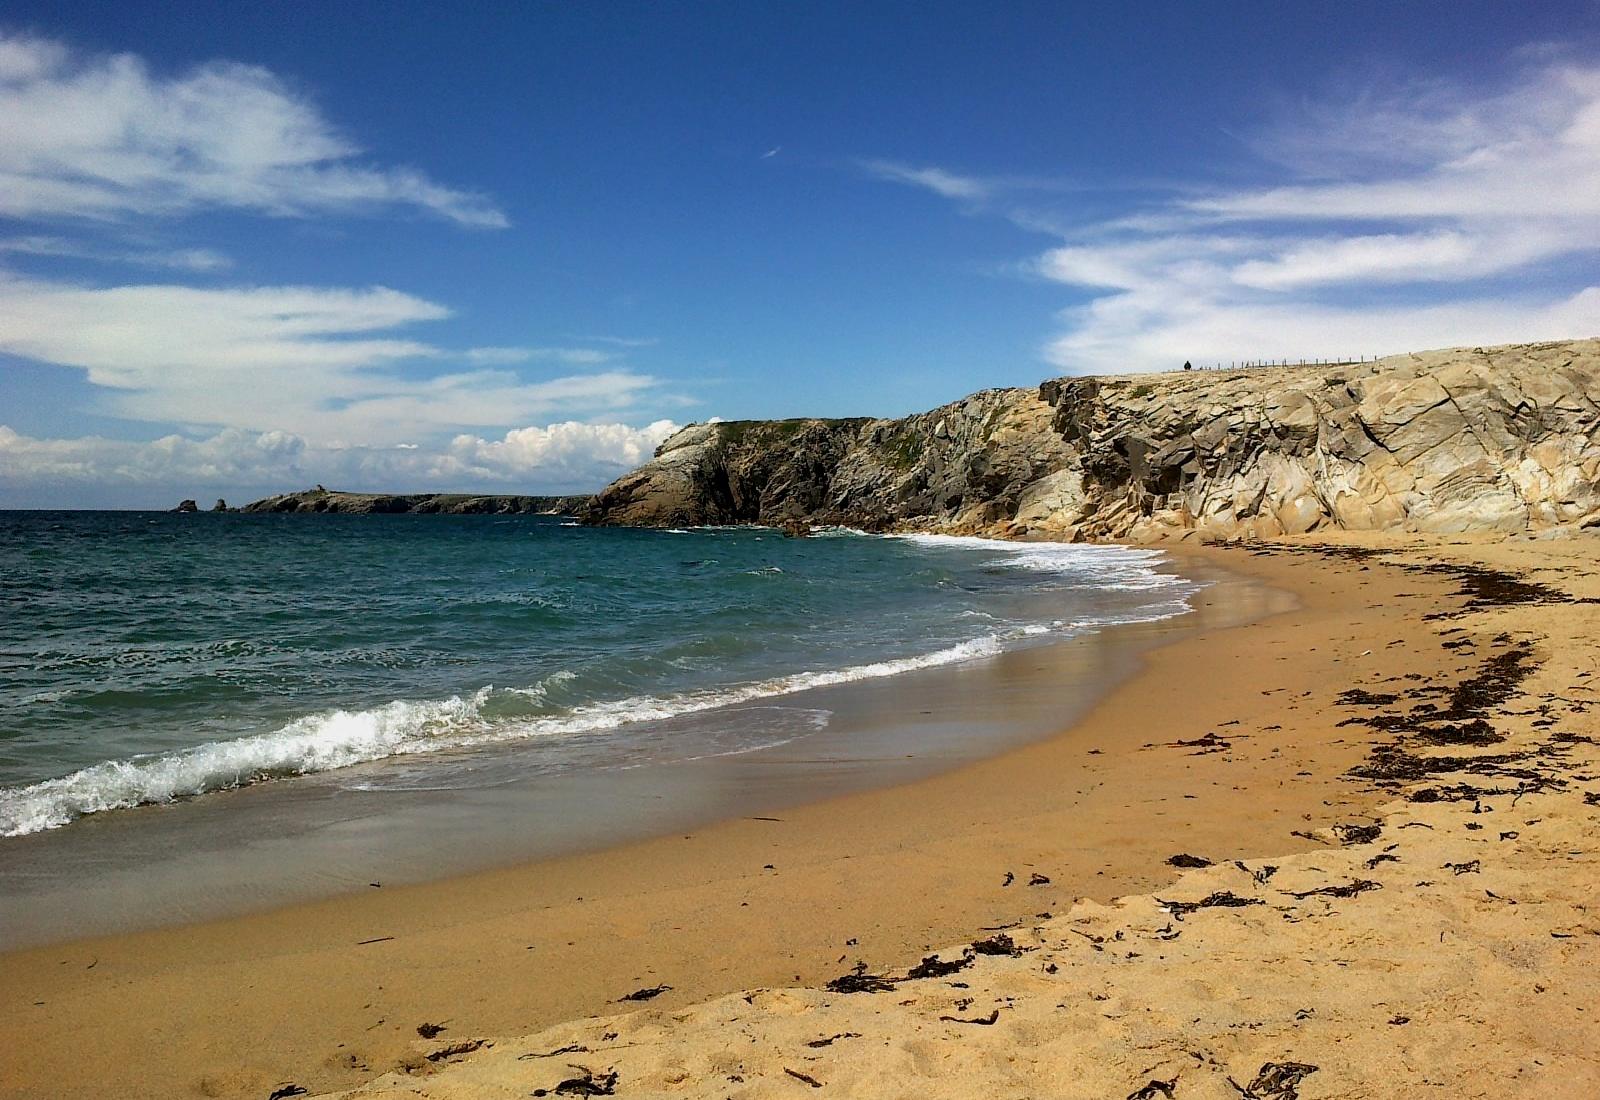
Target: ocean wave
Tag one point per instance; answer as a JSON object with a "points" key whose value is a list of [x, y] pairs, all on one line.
{"points": [[1102, 567], [341, 738], [314, 743]]}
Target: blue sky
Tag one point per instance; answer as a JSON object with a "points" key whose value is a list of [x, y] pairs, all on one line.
{"points": [[379, 247]]}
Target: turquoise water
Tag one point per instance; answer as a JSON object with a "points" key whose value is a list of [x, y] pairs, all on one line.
{"points": [[150, 658]]}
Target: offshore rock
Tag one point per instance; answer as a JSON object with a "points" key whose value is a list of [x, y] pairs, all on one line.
{"points": [[1503, 439], [324, 500]]}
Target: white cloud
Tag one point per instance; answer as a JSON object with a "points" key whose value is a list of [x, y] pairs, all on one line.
{"points": [[937, 180], [325, 362], [562, 457], [1124, 333], [621, 341], [575, 356], [179, 259], [571, 448], [104, 137], [1441, 191]]}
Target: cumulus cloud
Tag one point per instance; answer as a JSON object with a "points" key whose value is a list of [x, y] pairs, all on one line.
{"points": [[1448, 194], [105, 137], [569, 452], [562, 457], [325, 362]]}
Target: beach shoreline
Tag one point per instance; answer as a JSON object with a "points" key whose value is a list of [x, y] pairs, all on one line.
{"points": [[328, 995], [270, 845]]}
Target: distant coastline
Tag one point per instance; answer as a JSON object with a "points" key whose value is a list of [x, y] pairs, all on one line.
{"points": [[320, 500]]}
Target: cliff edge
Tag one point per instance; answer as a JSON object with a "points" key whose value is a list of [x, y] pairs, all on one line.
{"points": [[1500, 439]]}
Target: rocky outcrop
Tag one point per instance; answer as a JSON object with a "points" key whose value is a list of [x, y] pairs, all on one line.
{"points": [[1470, 439], [324, 500]]}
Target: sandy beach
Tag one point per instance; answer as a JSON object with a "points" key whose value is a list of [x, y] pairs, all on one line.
{"points": [[1429, 926]]}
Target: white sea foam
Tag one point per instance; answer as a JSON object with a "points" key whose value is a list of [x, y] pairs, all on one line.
{"points": [[341, 738], [46, 697], [1113, 568]]}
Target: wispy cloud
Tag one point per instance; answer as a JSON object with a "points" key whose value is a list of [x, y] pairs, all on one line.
{"points": [[937, 180], [177, 259], [1442, 190], [321, 361], [619, 341], [103, 137], [574, 356]]}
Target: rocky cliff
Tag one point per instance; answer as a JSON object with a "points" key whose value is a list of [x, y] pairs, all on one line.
{"points": [[1502, 439], [324, 500]]}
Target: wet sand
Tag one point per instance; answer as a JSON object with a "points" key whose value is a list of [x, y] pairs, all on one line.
{"points": [[328, 995]]}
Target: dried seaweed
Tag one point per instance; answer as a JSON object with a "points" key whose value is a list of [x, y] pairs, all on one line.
{"points": [[933, 967], [466, 1046], [1356, 697], [1458, 792], [1150, 1089], [590, 1084], [1476, 732], [798, 1076], [1211, 742], [999, 944], [1344, 890], [570, 1048], [645, 994], [1492, 588], [1261, 875], [984, 1021], [1275, 1081], [831, 1039], [1184, 859], [1357, 834], [1226, 899], [859, 981]]}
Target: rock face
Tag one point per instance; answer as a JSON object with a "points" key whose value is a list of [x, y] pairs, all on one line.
{"points": [[323, 500], [1469, 439]]}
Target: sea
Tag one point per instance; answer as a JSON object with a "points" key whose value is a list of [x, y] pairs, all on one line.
{"points": [[151, 663], [152, 657]]}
